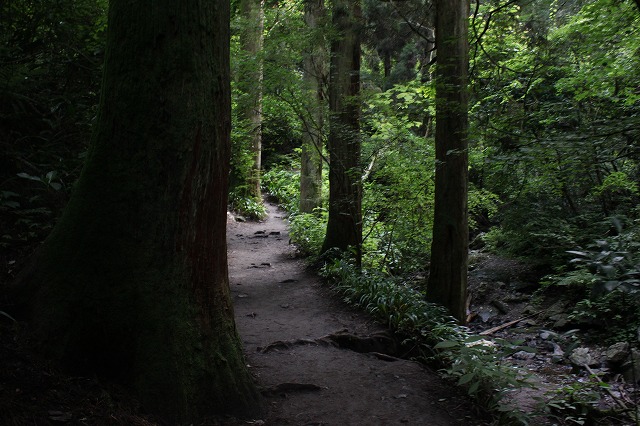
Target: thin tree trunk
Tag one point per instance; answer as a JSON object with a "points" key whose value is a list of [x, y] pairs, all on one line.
{"points": [[312, 141], [449, 252], [344, 226], [250, 82], [132, 284]]}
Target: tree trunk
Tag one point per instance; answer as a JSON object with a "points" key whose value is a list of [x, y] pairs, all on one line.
{"points": [[250, 83], [312, 130], [344, 226], [132, 283], [449, 252]]}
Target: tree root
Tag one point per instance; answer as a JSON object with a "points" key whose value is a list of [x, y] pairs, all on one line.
{"points": [[382, 345]]}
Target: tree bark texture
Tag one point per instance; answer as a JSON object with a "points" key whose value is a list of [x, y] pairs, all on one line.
{"points": [[449, 252], [132, 284], [344, 226], [250, 78], [313, 122]]}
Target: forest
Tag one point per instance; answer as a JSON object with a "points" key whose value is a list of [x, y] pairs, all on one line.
{"points": [[467, 173]]}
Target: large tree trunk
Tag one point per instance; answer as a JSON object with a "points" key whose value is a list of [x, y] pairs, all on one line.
{"points": [[132, 284], [313, 122], [449, 252], [250, 79], [344, 226]]}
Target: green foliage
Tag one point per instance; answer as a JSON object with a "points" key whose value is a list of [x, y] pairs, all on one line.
{"points": [[606, 285], [307, 230], [616, 263], [282, 182], [246, 205], [50, 72], [398, 191], [574, 403], [616, 182], [554, 114]]}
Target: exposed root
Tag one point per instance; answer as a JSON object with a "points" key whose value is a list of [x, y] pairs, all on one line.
{"points": [[381, 344], [282, 345]]}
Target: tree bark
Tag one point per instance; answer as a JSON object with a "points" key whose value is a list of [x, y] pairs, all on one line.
{"points": [[313, 122], [344, 226], [449, 252], [132, 283], [250, 83]]}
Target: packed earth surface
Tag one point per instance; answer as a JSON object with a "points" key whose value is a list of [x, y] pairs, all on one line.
{"points": [[317, 361]]}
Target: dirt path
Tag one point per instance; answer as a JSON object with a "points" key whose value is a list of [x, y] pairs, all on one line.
{"points": [[282, 309]]}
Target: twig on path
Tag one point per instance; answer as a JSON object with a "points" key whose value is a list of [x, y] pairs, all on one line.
{"points": [[385, 357]]}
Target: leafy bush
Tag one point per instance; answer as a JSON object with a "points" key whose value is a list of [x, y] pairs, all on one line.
{"points": [[307, 231], [606, 284], [282, 182], [247, 206], [50, 71]]}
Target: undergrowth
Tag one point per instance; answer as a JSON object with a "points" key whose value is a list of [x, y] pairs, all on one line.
{"points": [[432, 336], [426, 331]]}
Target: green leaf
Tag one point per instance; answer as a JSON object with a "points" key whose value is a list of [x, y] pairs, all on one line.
{"points": [[30, 177], [447, 344], [466, 378], [472, 339]]}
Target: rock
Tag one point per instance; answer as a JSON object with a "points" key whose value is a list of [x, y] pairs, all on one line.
{"points": [[557, 350], [502, 307], [486, 313], [581, 357], [524, 286], [523, 355], [556, 309], [631, 367], [561, 321], [617, 352]]}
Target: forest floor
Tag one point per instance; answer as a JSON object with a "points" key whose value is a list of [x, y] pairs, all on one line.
{"points": [[317, 360]]}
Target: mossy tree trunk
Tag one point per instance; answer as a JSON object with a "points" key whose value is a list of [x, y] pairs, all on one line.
{"points": [[449, 251], [132, 284], [313, 122], [250, 78], [344, 226]]}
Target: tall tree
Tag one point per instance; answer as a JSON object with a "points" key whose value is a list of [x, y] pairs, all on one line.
{"points": [[132, 284], [313, 121], [344, 226], [449, 252], [250, 77]]}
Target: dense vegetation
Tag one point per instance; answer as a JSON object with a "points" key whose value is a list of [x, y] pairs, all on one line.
{"points": [[554, 150], [554, 140]]}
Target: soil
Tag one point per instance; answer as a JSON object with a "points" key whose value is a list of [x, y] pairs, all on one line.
{"points": [[317, 360]]}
